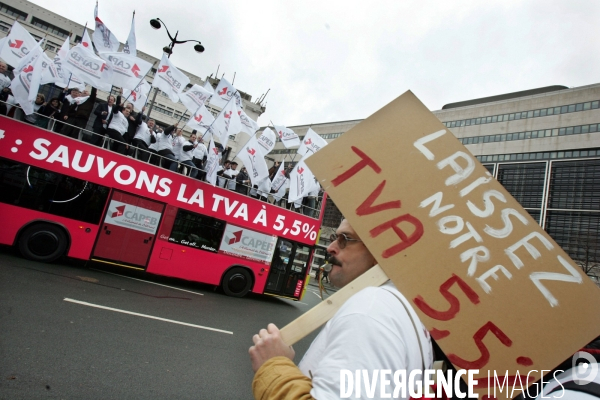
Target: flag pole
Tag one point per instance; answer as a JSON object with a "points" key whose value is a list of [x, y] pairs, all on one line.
{"points": [[182, 115], [220, 112]]}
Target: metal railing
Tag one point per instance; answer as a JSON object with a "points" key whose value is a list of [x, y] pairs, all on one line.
{"points": [[156, 159]]}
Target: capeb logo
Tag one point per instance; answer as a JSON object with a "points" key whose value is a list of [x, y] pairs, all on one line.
{"points": [[16, 44], [164, 68], [135, 69], [236, 237], [119, 211], [223, 91]]}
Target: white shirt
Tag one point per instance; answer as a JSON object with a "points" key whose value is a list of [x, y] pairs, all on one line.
{"points": [[221, 180], [186, 155], [144, 133], [233, 173], [164, 142], [372, 330], [119, 123], [200, 151], [178, 142], [562, 393]]}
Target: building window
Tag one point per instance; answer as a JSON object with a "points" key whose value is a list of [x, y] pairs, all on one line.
{"points": [[13, 12], [4, 27], [49, 27], [525, 114]]}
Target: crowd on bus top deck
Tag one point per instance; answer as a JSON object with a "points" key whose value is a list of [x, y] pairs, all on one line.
{"points": [[117, 125]]}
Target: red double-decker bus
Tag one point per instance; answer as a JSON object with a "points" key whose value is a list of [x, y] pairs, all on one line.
{"points": [[61, 196]]}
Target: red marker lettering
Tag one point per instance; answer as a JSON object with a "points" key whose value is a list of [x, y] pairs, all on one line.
{"points": [[405, 240], [452, 299], [367, 206], [364, 162]]}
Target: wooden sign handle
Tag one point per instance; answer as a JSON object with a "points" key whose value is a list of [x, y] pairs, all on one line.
{"points": [[323, 312]]}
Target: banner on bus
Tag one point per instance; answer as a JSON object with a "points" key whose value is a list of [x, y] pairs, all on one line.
{"points": [[132, 217], [248, 244]]}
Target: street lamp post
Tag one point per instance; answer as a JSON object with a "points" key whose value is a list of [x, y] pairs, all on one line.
{"points": [[156, 23]]}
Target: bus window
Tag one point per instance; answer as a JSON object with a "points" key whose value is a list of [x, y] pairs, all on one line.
{"points": [[198, 231], [42, 190]]}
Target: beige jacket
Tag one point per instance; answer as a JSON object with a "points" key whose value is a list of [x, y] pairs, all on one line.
{"points": [[280, 378]]}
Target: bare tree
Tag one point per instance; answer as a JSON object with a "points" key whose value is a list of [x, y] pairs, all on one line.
{"points": [[587, 258]]}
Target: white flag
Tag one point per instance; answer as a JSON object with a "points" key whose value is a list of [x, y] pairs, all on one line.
{"points": [[195, 97], [19, 44], [49, 71], [65, 77], [287, 136], [26, 84], [227, 123], [208, 87], [266, 141], [170, 80], [201, 120], [127, 69], [212, 163], [264, 187], [301, 182], [224, 93], [311, 143], [91, 69], [279, 178], [139, 95], [248, 125], [254, 161], [86, 42], [30, 58], [104, 40], [130, 45]]}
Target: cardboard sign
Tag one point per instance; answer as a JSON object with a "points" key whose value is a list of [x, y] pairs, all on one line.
{"points": [[494, 290]]}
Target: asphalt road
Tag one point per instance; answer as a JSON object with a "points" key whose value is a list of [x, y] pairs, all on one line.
{"points": [[56, 343]]}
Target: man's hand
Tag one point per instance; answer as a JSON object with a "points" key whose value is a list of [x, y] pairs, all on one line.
{"points": [[268, 344]]}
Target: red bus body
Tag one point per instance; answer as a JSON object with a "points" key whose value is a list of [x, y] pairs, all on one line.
{"points": [[121, 211]]}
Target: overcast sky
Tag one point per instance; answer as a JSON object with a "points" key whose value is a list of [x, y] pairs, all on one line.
{"points": [[328, 61]]}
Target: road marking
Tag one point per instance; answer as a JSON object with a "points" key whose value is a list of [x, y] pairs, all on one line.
{"points": [[146, 316], [316, 295], [153, 283]]}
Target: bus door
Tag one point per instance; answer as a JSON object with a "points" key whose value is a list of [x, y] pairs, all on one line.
{"points": [[288, 269], [129, 230]]}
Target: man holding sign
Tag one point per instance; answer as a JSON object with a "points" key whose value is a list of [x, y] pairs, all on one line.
{"points": [[376, 329]]}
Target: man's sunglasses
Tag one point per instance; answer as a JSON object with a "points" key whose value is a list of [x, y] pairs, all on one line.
{"points": [[343, 239]]}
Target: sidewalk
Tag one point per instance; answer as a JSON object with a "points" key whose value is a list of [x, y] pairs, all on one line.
{"points": [[313, 282]]}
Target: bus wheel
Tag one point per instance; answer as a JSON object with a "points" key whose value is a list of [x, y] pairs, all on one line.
{"points": [[43, 242], [237, 282]]}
